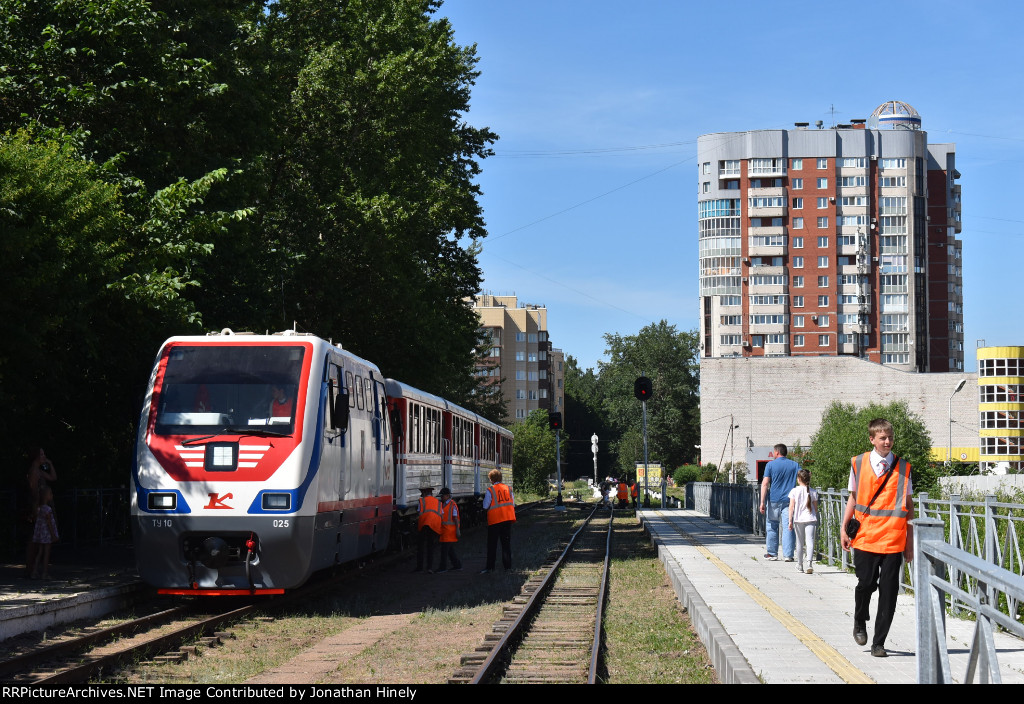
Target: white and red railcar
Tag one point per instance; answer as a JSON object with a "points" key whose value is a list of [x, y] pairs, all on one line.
{"points": [[264, 458]]}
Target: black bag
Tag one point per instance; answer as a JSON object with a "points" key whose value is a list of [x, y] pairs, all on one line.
{"points": [[852, 526]]}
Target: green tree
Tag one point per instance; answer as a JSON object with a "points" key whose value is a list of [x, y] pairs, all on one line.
{"points": [[670, 359], [585, 416], [533, 453], [371, 206], [843, 434], [82, 316]]}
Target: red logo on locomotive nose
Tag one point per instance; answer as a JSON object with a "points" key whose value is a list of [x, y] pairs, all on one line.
{"points": [[217, 501]]}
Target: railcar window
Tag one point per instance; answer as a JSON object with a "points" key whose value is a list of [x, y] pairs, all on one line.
{"points": [[360, 402], [368, 389], [209, 388], [349, 384]]}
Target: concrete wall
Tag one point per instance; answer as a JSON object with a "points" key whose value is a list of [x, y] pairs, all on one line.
{"points": [[782, 399]]}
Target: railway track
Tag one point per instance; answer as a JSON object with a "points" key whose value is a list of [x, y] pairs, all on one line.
{"points": [[551, 633]]}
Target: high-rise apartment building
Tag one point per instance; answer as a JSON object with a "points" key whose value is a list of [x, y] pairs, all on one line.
{"points": [[837, 241], [521, 357]]}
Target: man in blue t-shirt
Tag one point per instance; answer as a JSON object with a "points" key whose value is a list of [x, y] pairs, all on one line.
{"points": [[779, 480]]}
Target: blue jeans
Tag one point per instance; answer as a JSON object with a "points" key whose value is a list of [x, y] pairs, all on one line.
{"points": [[771, 543]]}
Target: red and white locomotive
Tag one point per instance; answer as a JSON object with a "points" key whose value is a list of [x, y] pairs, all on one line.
{"points": [[264, 458]]}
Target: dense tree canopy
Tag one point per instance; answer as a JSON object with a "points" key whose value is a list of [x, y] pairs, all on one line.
{"points": [[171, 166], [534, 456], [670, 359]]}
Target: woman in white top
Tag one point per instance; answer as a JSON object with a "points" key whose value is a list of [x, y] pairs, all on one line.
{"points": [[803, 518]]}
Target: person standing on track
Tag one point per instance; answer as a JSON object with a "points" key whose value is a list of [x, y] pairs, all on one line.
{"points": [[499, 503], [428, 527], [451, 531]]}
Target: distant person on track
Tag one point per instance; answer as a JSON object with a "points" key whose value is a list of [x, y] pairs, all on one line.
{"points": [[622, 493], [634, 491], [451, 531], [881, 497], [803, 518], [43, 536], [499, 503], [428, 528], [779, 480]]}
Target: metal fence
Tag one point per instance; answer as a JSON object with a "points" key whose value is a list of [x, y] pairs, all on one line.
{"points": [[85, 517], [942, 571], [987, 529]]}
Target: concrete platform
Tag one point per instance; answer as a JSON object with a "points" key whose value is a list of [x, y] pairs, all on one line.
{"points": [[763, 621], [86, 583]]}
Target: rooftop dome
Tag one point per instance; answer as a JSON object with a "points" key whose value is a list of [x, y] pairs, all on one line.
{"points": [[896, 114]]}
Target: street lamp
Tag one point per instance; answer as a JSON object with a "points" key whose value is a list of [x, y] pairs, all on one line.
{"points": [[949, 448]]}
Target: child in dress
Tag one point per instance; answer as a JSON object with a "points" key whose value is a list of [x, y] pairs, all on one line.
{"points": [[803, 518], [44, 535]]}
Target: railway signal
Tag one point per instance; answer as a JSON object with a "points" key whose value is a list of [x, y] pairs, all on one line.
{"points": [[554, 420], [642, 388]]}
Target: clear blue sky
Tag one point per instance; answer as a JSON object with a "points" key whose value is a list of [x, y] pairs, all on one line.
{"points": [[590, 200]]}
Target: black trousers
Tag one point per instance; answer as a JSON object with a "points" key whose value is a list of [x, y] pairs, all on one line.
{"points": [[425, 542], [448, 553], [502, 531], [882, 572]]}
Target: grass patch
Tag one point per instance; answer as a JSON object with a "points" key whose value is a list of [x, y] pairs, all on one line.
{"points": [[649, 639]]}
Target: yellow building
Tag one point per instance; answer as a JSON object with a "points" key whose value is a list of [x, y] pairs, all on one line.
{"points": [[521, 357], [1001, 408]]}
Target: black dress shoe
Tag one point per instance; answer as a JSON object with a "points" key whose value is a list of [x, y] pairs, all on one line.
{"points": [[860, 633], [878, 651]]}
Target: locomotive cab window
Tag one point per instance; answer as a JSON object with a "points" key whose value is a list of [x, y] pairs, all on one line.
{"points": [[225, 389]]}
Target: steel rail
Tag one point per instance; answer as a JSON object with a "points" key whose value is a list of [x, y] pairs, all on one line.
{"points": [[520, 626]]}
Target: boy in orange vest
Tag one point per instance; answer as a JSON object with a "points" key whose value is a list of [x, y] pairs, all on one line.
{"points": [[881, 496], [451, 531]]}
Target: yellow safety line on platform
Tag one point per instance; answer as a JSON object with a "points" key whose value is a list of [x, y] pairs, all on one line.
{"points": [[824, 652]]}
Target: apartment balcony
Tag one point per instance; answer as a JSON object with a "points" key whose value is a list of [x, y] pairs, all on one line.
{"points": [[766, 192], [766, 212]]}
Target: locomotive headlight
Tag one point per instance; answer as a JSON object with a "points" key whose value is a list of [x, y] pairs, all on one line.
{"points": [[277, 502], [163, 501]]}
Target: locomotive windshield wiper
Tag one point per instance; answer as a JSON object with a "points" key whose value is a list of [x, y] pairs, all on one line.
{"points": [[190, 441], [250, 430]]}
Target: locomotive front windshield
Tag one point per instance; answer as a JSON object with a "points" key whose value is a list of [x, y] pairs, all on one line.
{"points": [[229, 389]]}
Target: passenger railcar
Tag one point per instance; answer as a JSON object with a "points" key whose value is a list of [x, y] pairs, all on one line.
{"points": [[438, 443], [260, 460]]}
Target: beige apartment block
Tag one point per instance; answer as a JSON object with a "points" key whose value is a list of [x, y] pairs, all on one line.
{"points": [[521, 357]]}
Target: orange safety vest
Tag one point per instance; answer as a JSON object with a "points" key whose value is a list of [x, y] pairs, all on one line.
{"points": [[449, 521], [634, 492], [430, 514], [623, 491], [883, 527], [502, 508]]}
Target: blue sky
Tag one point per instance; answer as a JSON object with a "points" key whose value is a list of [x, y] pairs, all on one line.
{"points": [[590, 200]]}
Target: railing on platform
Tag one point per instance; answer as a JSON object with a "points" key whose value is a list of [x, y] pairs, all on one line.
{"points": [[989, 530], [940, 570]]}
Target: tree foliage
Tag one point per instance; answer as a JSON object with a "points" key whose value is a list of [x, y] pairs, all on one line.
{"points": [[670, 359], [232, 164], [844, 434], [534, 457], [584, 417]]}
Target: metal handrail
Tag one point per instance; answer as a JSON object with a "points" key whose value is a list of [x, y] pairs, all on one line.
{"points": [[935, 559]]}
